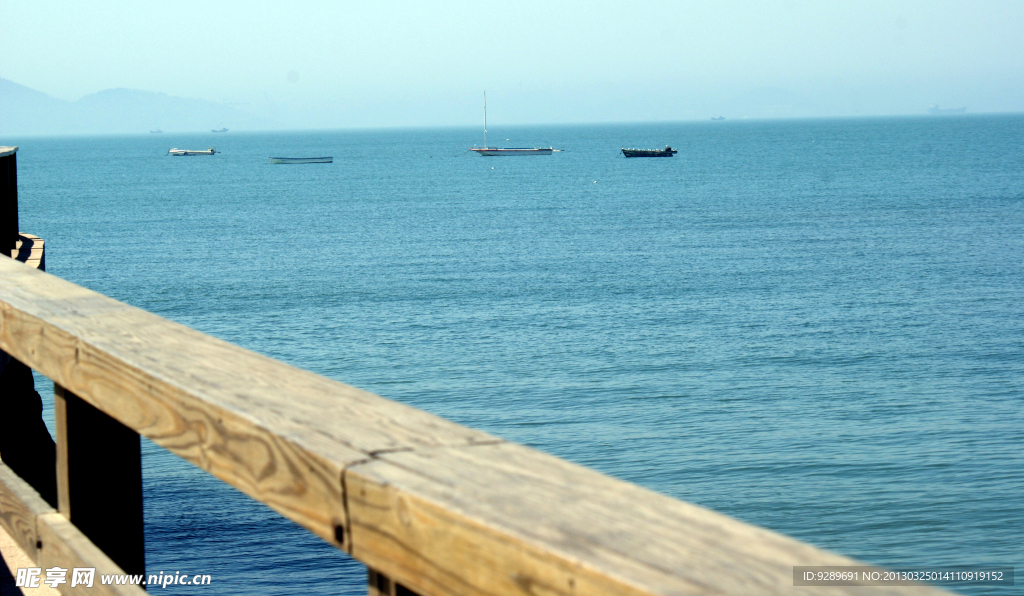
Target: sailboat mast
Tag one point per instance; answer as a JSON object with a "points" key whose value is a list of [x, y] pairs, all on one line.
{"points": [[485, 119]]}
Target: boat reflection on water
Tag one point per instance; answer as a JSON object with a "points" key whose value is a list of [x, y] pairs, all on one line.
{"points": [[302, 160]]}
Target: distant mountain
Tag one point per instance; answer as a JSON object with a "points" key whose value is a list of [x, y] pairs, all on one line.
{"points": [[27, 111]]}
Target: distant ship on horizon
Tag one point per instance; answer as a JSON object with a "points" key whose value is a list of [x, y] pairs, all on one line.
{"points": [[936, 110], [218, 130]]}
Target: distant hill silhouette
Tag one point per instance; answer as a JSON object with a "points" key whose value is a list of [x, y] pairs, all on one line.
{"points": [[27, 111]]}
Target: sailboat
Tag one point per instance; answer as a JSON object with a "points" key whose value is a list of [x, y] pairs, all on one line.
{"points": [[485, 150]]}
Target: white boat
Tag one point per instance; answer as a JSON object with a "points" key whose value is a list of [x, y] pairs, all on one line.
{"points": [[185, 152], [301, 160], [485, 150], [513, 150]]}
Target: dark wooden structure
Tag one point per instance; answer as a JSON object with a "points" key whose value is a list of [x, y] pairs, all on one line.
{"points": [[8, 199]]}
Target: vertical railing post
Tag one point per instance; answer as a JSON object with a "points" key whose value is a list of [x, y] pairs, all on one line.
{"points": [[8, 199], [99, 479], [379, 584]]}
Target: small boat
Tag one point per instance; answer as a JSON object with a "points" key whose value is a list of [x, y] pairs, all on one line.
{"points": [[301, 160], [666, 152], [719, 118], [514, 150], [485, 150], [156, 132], [186, 152], [218, 130], [935, 110]]}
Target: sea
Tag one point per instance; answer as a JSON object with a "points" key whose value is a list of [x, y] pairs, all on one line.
{"points": [[815, 326]]}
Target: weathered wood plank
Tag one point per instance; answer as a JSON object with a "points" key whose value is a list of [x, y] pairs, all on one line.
{"points": [[60, 424], [20, 505], [13, 558], [437, 508], [279, 434], [66, 547], [49, 539], [506, 519]]}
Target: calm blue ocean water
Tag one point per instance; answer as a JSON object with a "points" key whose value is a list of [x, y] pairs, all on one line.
{"points": [[814, 326]]}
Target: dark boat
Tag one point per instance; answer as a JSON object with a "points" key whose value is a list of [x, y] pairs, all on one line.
{"points": [[666, 152]]}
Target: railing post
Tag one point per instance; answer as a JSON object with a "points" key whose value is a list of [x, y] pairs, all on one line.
{"points": [[99, 479], [8, 199], [379, 584]]}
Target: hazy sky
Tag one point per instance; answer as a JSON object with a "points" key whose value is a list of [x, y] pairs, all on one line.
{"points": [[339, 64]]}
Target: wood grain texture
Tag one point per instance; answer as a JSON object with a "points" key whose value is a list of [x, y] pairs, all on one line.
{"points": [[506, 519], [31, 521], [13, 558], [60, 424], [49, 539], [20, 505], [64, 546], [438, 508], [280, 434]]}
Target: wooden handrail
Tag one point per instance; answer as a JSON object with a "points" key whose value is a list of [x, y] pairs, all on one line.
{"points": [[439, 508], [50, 540]]}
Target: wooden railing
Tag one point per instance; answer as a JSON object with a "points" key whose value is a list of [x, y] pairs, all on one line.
{"points": [[431, 507]]}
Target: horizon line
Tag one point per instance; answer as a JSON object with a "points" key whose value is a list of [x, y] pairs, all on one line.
{"points": [[687, 121]]}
